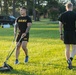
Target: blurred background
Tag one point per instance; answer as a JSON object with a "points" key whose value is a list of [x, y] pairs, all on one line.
{"points": [[37, 9]]}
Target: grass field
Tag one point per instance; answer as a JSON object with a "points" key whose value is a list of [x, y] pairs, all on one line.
{"points": [[46, 51]]}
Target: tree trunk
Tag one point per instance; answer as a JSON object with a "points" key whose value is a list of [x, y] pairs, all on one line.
{"points": [[13, 7], [1, 6], [27, 6], [6, 7], [34, 11], [38, 15]]}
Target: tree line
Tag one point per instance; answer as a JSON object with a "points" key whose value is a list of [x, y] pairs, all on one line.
{"points": [[35, 8]]}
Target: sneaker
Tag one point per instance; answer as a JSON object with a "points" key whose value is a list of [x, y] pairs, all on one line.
{"points": [[69, 64], [26, 59], [16, 61]]}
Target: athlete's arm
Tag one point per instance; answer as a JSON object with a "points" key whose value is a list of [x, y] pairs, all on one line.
{"points": [[60, 27], [15, 29], [61, 30], [28, 29]]}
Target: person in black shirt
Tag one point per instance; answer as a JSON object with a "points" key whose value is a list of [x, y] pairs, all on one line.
{"points": [[22, 24], [68, 32]]}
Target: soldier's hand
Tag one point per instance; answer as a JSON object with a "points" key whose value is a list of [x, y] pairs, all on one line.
{"points": [[23, 35], [62, 37]]}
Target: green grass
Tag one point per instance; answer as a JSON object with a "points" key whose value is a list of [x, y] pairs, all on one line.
{"points": [[46, 51]]}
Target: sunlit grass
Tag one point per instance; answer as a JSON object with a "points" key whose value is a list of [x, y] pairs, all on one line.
{"points": [[46, 51]]}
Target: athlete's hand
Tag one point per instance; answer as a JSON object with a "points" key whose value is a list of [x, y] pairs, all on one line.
{"points": [[23, 35], [61, 37]]}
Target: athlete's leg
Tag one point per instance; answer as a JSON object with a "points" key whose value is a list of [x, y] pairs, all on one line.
{"points": [[67, 54], [17, 52], [18, 49], [67, 51], [73, 52], [24, 47]]}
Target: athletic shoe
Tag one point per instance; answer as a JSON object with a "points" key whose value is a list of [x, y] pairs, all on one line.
{"points": [[69, 64], [26, 59], [16, 61]]}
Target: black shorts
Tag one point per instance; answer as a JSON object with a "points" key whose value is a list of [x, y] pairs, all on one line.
{"points": [[69, 37], [26, 38]]}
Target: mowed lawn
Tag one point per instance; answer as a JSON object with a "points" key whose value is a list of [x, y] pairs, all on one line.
{"points": [[46, 51]]}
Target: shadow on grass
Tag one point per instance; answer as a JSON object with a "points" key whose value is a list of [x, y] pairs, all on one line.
{"points": [[56, 66], [17, 72], [74, 68]]}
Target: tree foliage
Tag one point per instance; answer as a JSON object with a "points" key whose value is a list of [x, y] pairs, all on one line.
{"points": [[48, 8]]}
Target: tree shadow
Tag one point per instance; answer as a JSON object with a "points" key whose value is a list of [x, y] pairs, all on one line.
{"points": [[17, 72], [74, 68]]}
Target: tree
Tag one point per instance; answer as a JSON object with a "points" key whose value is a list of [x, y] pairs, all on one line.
{"points": [[34, 11], [37, 8], [73, 1], [14, 1], [53, 9], [37, 11], [6, 7], [1, 6]]}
